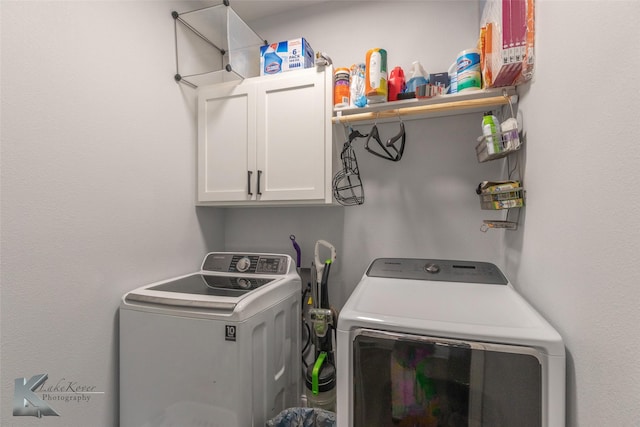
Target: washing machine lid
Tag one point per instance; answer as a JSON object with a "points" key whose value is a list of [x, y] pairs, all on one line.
{"points": [[457, 299], [200, 291], [226, 282], [207, 284]]}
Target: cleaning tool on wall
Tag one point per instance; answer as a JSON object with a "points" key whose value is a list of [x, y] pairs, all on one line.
{"points": [[320, 377], [296, 247]]}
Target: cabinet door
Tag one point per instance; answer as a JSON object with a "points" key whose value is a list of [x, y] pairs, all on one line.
{"points": [[293, 139], [226, 142]]}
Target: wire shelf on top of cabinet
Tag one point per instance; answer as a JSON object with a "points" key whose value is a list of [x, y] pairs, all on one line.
{"points": [[213, 45], [422, 108]]}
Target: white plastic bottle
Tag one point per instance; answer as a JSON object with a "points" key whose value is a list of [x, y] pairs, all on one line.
{"points": [[491, 129], [418, 77], [510, 136]]}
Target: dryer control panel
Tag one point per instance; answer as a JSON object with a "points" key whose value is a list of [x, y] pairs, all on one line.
{"points": [[437, 270], [246, 263]]}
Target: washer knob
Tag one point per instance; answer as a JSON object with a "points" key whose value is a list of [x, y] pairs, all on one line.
{"points": [[244, 283], [432, 268], [243, 264]]}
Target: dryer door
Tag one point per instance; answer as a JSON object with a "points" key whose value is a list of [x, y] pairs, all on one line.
{"points": [[411, 380]]}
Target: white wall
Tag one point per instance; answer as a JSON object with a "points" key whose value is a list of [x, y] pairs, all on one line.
{"points": [[576, 257], [98, 189]]}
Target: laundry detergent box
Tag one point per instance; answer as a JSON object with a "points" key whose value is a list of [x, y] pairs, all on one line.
{"points": [[285, 56]]}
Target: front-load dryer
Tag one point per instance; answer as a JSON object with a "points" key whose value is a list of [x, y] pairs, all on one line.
{"points": [[216, 348], [445, 343]]}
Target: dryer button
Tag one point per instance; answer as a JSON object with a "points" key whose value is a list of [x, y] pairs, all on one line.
{"points": [[432, 268], [243, 264]]}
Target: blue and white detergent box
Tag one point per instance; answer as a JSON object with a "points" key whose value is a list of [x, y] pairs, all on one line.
{"points": [[285, 56]]}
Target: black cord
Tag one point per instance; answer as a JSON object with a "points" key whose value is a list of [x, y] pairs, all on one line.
{"points": [[306, 326], [306, 345]]}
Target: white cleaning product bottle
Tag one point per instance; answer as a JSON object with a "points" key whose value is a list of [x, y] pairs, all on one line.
{"points": [[418, 77], [510, 136], [491, 130]]}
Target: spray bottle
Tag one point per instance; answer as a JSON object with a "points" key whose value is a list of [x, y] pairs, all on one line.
{"points": [[491, 131], [272, 62], [418, 77]]}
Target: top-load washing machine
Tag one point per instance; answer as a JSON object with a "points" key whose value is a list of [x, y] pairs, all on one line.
{"points": [[436, 343], [216, 348]]}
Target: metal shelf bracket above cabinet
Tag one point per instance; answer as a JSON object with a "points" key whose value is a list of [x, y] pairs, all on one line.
{"points": [[214, 45]]}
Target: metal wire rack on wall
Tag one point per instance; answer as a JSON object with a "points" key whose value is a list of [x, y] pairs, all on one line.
{"points": [[508, 195]]}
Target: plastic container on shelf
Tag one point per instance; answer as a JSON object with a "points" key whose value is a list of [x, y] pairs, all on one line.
{"points": [[468, 70], [418, 77], [397, 83], [490, 129], [214, 44], [357, 86], [507, 141], [376, 88], [510, 134], [341, 79]]}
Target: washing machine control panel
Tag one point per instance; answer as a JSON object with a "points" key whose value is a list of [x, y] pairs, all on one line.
{"points": [[246, 263], [437, 270]]}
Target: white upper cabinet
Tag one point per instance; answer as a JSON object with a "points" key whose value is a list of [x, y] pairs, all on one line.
{"points": [[266, 140], [292, 139], [226, 142]]}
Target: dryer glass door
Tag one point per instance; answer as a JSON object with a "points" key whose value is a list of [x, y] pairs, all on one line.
{"points": [[411, 380]]}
